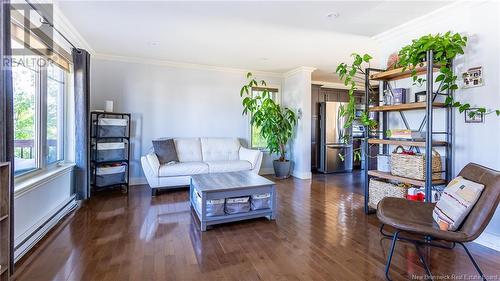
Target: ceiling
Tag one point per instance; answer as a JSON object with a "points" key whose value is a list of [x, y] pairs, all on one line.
{"points": [[264, 36]]}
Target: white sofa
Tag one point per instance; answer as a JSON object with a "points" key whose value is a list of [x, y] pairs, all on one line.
{"points": [[199, 156]]}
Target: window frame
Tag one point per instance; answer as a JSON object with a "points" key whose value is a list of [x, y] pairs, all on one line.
{"points": [[36, 137], [40, 138], [61, 124], [277, 99]]}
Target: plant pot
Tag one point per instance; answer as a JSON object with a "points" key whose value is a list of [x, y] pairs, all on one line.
{"points": [[282, 168]]}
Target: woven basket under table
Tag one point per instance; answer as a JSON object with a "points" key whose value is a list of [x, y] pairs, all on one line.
{"points": [[379, 189]]}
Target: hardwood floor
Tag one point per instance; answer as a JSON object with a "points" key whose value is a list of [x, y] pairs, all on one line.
{"points": [[320, 233]]}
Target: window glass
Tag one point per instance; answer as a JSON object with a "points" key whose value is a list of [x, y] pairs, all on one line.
{"points": [[25, 86], [257, 141], [55, 112]]}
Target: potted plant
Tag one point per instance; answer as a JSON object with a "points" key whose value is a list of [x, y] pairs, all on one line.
{"points": [[276, 123]]}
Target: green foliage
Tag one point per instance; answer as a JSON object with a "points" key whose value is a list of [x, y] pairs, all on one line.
{"points": [[348, 74], [445, 48], [276, 124]]}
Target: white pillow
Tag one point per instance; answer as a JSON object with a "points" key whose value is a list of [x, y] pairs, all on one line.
{"points": [[457, 200]]}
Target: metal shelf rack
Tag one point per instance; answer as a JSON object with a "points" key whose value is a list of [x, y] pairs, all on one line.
{"points": [[377, 137], [95, 139]]}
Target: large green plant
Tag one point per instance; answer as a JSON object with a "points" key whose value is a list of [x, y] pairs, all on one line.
{"points": [[276, 123]]}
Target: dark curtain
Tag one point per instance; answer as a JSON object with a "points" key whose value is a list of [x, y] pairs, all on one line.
{"points": [[7, 109], [81, 65]]}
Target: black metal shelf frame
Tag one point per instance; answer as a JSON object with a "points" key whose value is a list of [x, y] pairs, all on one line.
{"points": [[94, 117], [427, 122]]}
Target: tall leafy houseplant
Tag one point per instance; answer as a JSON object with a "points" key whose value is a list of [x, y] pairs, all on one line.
{"points": [[276, 123]]}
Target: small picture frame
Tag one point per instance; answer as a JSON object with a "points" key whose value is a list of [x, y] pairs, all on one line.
{"points": [[473, 116], [420, 96], [473, 77]]}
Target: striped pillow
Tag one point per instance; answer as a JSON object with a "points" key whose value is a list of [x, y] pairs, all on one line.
{"points": [[457, 200]]}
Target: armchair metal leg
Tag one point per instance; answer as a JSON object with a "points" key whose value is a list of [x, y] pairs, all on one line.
{"points": [[389, 258], [473, 261], [422, 260]]}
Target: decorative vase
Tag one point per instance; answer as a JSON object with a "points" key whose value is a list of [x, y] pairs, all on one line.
{"points": [[282, 169]]}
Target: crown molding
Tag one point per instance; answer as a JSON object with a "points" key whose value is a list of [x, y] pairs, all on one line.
{"points": [[334, 85], [299, 69], [424, 18], [150, 61]]}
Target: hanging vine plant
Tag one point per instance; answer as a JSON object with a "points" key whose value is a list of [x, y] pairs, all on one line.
{"points": [[445, 48]]}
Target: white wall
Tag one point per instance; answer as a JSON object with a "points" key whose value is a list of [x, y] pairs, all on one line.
{"points": [[473, 142], [172, 101], [297, 96]]}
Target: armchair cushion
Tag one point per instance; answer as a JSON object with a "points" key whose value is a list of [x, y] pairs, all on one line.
{"points": [[413, 216]]}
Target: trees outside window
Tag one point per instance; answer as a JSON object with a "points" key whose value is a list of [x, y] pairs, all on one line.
{"points": [[38, 115]]}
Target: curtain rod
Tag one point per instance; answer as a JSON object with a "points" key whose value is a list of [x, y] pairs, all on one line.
{"points": [[44, 20]]}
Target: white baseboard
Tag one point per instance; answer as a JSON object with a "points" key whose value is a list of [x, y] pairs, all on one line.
{"points": [[23, 244], [302, 175], [489, 240], [138, 181]]}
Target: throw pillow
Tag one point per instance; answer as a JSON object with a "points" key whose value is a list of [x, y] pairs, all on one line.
{"points": [[165, 151], [457, 200]]}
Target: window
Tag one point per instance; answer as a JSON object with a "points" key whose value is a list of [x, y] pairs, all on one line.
{"points": [[38, 113], [256, 139], [55, 112], [26, 85]]}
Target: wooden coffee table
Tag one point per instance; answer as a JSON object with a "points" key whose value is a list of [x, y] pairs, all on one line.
{"points": [[226, 185]]}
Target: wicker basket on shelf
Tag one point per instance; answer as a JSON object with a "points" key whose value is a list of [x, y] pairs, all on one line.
{"points": [[379, 189], [413, 166]]}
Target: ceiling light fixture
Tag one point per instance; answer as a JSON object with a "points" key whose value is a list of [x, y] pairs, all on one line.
{"points": [[334, 15]]}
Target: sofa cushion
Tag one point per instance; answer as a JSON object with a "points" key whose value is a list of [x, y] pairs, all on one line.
{"points": [[220, 149], [183, 169], [165, 150], [188, 149], [228, 166]]}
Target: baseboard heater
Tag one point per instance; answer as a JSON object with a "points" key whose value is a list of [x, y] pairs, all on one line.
{"points": [[21, 248]]}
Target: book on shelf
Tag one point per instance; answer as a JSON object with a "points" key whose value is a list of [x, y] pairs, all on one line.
{"points": [[404, 134]]}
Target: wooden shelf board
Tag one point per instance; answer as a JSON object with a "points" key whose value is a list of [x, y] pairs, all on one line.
{"points": [[389, 176], [4, 217], [398, 73], [404, 106], [405, 142]]}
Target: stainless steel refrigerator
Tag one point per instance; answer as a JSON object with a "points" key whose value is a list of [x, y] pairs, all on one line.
{"points": [[332, 141]]}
